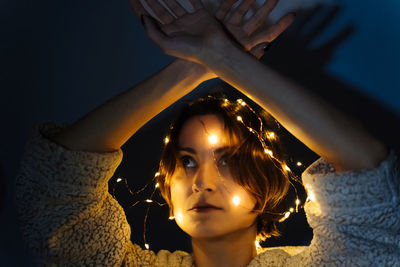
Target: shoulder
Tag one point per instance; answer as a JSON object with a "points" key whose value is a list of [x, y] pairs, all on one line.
{"points": [[352, 188], [276, 256], [137, 256]]}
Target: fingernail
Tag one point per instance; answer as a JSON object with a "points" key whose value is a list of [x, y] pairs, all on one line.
{"points": [[264, 45]]}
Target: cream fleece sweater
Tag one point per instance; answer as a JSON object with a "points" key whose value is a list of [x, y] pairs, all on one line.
{"points": [[69, 219]]}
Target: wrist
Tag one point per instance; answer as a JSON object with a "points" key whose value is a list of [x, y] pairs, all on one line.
{"points": [[218, 52], [192, 70]]}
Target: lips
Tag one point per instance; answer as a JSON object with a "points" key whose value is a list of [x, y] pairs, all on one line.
{"points": [[204, 205]]}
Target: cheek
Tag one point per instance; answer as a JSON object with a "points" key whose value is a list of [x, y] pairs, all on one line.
{"points": [[239, 199], [180, 190], [179, 196], [177, 193]]}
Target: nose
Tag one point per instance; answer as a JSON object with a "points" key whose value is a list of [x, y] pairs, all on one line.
{"points": [[206, 177]]}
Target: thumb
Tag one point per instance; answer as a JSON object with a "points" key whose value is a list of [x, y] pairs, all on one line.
{"points": [[258, 50]]}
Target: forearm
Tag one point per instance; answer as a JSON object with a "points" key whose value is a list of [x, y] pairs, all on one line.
{"points": [[109, 126], [320, 126]]}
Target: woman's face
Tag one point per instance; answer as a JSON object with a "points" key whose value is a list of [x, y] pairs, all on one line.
{"points": [[203, 180]]}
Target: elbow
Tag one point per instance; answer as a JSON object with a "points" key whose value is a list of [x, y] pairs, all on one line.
{"points": [[369, 157]]}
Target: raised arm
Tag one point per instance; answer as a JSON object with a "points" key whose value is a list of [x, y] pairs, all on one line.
{"points": [[327, 131], [109, 126], [330, 133]]}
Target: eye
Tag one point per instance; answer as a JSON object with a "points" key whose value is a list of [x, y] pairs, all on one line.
{"points": [[223, 160], [188, 162]]}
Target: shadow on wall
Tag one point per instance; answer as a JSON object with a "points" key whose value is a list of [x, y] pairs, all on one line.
{"points": [[305, 66], [291, 55]]}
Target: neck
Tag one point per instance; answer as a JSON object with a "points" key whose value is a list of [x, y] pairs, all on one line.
{"points": [[234, 250]]}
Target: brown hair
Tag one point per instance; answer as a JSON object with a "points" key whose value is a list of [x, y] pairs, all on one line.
{"points": [[263, 176]]}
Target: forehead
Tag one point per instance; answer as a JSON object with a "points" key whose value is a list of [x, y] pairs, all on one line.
{"points": [[199, 130]]}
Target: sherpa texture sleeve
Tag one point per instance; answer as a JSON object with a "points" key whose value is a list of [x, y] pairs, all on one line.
{"points": [[66, 214], [355, 215], [69, 219]]}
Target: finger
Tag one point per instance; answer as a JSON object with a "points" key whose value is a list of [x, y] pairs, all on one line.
{"points": [[306, 18], [172, 29], [322, 25], [160, 11], [333, 43], [138, 8], [175, 8], [260, 16], [153, 31], [274, 31], [240, 12], [196, 4], [224, 9], [258, 50]]}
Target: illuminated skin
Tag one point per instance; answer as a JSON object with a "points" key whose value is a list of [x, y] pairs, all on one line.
{"points": [[204, 175]]}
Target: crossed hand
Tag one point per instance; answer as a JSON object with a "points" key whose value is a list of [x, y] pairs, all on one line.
{"points": [[191, 36]]}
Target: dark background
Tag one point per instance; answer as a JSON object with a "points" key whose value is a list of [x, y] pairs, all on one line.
{"points": [[60, 59]]}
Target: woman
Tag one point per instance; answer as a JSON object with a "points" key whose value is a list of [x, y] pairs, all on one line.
{"points": [[70, 219]]}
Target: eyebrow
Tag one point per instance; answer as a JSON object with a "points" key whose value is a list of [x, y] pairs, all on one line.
{"points": [[193, 151]]}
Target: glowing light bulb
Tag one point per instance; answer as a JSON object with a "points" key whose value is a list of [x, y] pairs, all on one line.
{"points": [[166, 140], [291, 209], [239, 118], [269, 152], [287, 214], [311, 196], [157, 185], [225, 100], [287, 168], [119, 180], [299, 163], [241, 102], [310, 193], [171, 218], [236, 200], [297, 204], [179, 217], [213, 139], [156, 174], [271, 135], [149, 200], [147, 246]]}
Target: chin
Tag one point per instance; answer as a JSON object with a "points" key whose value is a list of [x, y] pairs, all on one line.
{"points": [[202, 232], [206, 235]]}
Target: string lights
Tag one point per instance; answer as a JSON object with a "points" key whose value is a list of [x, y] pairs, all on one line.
{"points": [[258, 246], [213, 139], [236, 200]]}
